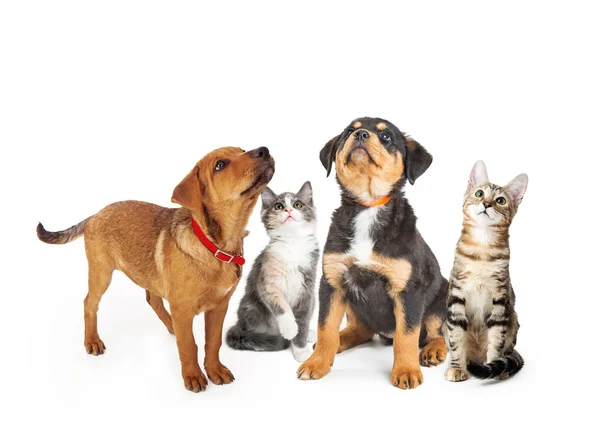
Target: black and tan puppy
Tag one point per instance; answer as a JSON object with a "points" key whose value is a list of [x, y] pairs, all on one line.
{"points": [[377, 269]]}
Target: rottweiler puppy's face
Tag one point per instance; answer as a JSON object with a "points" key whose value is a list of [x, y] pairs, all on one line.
{"points": [[372, 156]]}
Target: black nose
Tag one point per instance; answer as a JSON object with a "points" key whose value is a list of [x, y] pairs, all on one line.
{"points": [[261, 152], [361, 135], [486, 205]]}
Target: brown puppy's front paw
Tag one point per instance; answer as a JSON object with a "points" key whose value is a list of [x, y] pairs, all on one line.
{"points": [[219, 375], [194, 380], [433, 353], [313, 368], [94, 346], [407, 377], [455, 374]]}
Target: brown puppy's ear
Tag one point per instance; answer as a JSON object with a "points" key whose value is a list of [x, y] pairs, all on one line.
{"points": [[417, 160], [327, 154], [188, 193]]}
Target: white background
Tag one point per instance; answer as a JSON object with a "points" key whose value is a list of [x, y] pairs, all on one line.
{"points": [[115, 100]]}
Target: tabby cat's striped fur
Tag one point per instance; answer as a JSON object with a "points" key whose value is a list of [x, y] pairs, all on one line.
{"points": [[481, 324]]}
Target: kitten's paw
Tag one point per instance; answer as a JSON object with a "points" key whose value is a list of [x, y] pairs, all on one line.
{"points": [[312, 336], [407, 377], [301, 354], [454, 374], [433, 353], [287, 326]]}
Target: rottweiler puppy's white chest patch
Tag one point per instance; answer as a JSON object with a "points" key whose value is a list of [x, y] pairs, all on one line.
{"points": [[361, 246]]}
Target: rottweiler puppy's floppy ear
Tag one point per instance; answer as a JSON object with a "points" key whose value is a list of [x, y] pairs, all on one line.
{"points": [[417, 160], [188, 193], [327, 154]]}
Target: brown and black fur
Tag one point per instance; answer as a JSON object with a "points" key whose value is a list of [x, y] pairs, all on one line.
{"points": [[399, 292], [157, 249]]}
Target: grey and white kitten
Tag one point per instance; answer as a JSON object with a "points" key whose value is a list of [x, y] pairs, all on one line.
{"points": [[481, 323], [280, 292]]}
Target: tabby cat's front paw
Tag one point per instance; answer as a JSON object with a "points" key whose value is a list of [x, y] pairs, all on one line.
{"points": [[287, 326], [454, 374]]}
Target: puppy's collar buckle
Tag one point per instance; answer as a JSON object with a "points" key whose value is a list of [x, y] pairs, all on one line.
{"points": [[219, 252], [219, 255]]}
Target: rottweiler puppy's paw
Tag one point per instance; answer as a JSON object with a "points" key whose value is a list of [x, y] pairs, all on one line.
{"points": [[313, 368], [219, 375], [455, 374], [407, 377], [194, 380], [94, 346], [433, 354]]}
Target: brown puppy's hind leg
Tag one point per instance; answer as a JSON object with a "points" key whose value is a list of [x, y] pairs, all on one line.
{"points": [[354, 334], [99, 277], [158, 305], [193, 378]]}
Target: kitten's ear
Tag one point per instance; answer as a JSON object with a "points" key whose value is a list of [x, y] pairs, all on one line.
{"points": [[417, 160], [305, 193], [268, 197], [516, 188], [327, 154], [478, 175]]}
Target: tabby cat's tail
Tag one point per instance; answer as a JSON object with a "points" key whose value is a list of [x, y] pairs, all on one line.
{"points": [[253, 341], [62, 237], [508, 365]]}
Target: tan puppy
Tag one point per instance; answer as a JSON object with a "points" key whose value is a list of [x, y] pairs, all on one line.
{"points": [[158, 249]]}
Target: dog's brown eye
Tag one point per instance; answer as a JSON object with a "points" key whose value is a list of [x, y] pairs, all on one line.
{"points": [[501, 201], [278, 207], [298, 205], [349, 131], [385, 136], [220, 165]]}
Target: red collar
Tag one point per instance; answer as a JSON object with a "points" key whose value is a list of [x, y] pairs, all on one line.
{"points": [[220, 255], [378, 202]]}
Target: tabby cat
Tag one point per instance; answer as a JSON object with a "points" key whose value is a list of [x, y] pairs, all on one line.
{"points": [[280, 292], [481, 324]]}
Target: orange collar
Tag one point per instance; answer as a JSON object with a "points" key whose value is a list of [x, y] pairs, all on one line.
{"points": [[378, 202]]}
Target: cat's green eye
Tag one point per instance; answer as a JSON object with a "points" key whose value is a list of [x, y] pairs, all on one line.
{"points": [[278, 207], [501, 200], [298, 205], [479, 194]]}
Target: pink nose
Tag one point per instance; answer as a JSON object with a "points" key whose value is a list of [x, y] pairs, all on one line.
{"points": [[289, 210]]}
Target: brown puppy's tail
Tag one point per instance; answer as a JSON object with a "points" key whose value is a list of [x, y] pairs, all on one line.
{"points": [[62, 237]]}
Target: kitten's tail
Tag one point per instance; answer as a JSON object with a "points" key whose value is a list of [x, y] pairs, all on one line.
{"points": [[62, 237], [506, 366], [253, 341]]}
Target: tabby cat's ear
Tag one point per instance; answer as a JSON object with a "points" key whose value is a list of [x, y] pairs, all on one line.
{"points": [[478, 175], [268, 197], [305, 193], [516, 188]]}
